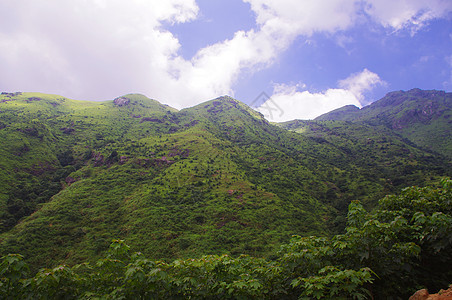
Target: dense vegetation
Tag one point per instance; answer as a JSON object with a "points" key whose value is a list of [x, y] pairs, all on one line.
{"points": [[405, 244], [214, 178], [422, 117]]}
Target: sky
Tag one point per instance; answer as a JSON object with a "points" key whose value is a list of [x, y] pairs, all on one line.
{"points": [[288, 59]]}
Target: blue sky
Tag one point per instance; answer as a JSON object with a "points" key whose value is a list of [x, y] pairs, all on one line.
{"points": [[309, 57]]}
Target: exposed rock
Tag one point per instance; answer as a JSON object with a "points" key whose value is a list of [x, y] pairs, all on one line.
{"points": [[423, 114], [70, 180], [420, 295], [121, 101], [424, 295]]}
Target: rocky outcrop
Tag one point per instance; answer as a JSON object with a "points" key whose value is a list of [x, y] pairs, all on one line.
{"points": [[422, 114], [424, 295], [121, 101]]}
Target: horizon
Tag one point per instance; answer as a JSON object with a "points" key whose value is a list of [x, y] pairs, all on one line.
{"points": [[261, 110], [301, 58]]}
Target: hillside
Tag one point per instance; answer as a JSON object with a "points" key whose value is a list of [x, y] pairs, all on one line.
{"points": [[214, 178], [423, 117]]}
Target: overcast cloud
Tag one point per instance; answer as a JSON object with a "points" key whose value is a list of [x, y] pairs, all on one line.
{"points": [[98, 50]]}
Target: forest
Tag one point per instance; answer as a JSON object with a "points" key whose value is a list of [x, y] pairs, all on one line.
{"points": [[131, 198], [401, 246]]}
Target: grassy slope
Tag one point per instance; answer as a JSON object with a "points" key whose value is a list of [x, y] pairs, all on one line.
{"points": [[423, 117], [215, 178]]}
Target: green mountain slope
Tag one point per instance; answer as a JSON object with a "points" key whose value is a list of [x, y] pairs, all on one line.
{"points": [[214, 178], [423, 117]]}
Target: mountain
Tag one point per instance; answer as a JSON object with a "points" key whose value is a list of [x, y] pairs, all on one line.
{"points": [[213, 178], [423, 117]]}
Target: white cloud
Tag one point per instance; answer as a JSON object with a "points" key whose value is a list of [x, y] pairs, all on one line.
{"points": [[101, 49], [294, 17], [287, 103], [360, 82], [85, 49], [215, 69], [413, 14]]}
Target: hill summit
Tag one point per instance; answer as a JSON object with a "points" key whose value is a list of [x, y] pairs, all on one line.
{"points": [[423, 117], [213, 178]]}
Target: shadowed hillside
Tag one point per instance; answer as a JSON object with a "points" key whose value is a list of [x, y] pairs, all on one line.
{"points": [[214, 178], [423, 117]]}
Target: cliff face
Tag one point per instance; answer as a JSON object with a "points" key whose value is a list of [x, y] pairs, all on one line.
{"points": [[423, 117]]}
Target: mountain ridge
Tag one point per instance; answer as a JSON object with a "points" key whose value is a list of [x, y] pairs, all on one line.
{"points": [[213, 178], [423, 117]]}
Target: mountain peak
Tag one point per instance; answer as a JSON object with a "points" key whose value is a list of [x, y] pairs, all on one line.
{"points": [[228, 100], [399, 97], [225, 105], [215, 178], [142, 101], [339, 113], [419, 115]]}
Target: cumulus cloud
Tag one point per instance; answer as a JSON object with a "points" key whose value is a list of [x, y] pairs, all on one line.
{"points": [[86, 49], [215, 68], [412, 14], [101, 49], [287, 103], [294, 17], [360, 82]]}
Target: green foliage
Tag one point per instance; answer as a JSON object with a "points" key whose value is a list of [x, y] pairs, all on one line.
{"points": [[388, 252], [428, 214], [214, 178], [332, 283], [12, 269], [420, 116]]}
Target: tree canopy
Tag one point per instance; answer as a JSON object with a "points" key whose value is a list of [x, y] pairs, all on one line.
{"points": [[402, 245]]}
